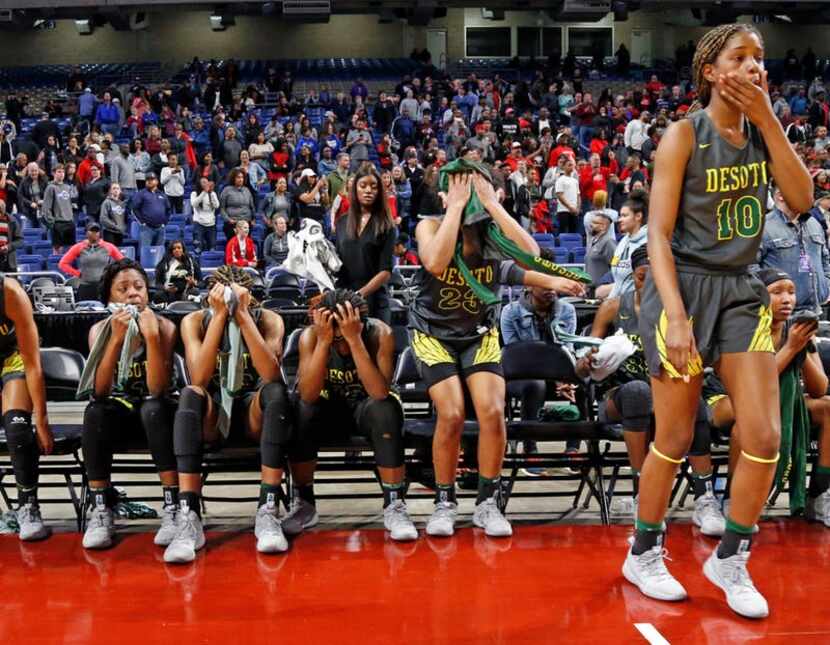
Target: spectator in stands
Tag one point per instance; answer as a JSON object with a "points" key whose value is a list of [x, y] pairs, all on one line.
{"points": [[122, 171], [358, 142], [151, 209], [11, 239], [230, 149], [567, 197], [153, 142], [384, 113], [275, 247], [6, 149], [205, 203], [278, 203], [140, 161], [95, 192], [403, 195], [207, 169], [30, 194], [57, 212], [365, 240], [338, 178], [282, 162], [236, 203], [600, 236], [161, 159], [633, 223], [404, 256], [135, 405], [107, 116], [260, 151], [329, 137], [90, 160], [177, 273], [50, 156], [636, 132], [359, 89], [795, 243], [114, 216], [256, 176], [240, 250], [312, 198], [327, 164], [43, 129], [173, 181], [92, 256], [86, 106]]}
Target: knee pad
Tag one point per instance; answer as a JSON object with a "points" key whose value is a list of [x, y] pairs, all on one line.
{"points": [[634, 403], [383, 422], [157, 422], [702, 438], [303, 444], [23, 448], [96, 441], [276, 425], [187, 431]]}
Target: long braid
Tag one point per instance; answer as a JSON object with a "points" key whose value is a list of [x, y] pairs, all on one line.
{"points": [[708, 49]]}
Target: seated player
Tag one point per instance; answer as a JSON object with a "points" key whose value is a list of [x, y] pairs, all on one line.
{"points": [[625, 397], [128, 400], [345, 373], [455, 337], [23, 392], [797, 360], [230, 399]]}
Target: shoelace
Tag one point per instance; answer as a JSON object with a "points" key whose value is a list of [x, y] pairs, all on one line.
{"points": [[654, 565], [270, 519], [187, 530], [28, 513], [443, 511], [737, 574], [398, 512], [99, 519], [709, 506]]}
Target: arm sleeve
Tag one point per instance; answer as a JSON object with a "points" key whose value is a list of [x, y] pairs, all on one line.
{"points": [[69, 257], [511, 273], [104, 215]]}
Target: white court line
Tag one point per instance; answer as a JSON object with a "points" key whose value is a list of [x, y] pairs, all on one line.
{"points": [[651, 634]]}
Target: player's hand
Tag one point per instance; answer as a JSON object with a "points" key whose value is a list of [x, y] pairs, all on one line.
{"points": [[119, 324], [45, 439], [323, 322], [750, 98], [801, 334], [243, 297], [566, 286], [458, 191], [148, 324], [485, 191], [680, 345], [348, 319], [216, 299]]}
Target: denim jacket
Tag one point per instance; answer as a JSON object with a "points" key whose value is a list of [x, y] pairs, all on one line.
{"points": [[519, 322], [783, 244]]}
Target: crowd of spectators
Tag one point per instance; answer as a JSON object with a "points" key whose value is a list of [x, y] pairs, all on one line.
{"points": [[564, 159]]}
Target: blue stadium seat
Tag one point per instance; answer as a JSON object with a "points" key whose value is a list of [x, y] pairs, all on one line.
{"points": [[128, 252], [151, 256], [35, 261], [42, 248], [578, 254], [212, 259], [570, 240]]}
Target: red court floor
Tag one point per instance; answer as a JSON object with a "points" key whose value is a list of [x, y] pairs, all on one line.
{"points": [[547, 584]]}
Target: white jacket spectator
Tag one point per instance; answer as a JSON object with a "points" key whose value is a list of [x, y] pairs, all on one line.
{"points": [[204, 206], [173, 181], [636, 132]]}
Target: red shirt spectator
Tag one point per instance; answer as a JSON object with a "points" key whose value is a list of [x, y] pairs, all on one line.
{"points": [[592, 179], [654, 86], [559, 150], [241, 250], [84, 173]]}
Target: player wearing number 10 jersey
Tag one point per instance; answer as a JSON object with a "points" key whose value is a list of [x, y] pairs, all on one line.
{"points": [[700, 306]]}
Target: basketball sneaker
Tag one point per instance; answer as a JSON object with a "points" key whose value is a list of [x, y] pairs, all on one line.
{"points": [[731, 575], [489, 517], [442, 521], [301, 515], [818, 508], [268, 530], [31, 523], [649, 574], [100, 528], [190, 537], [397, 522], [708, 517], [167, 530]]}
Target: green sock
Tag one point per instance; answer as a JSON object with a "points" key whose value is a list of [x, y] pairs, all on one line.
{"points": [[487, 488]]}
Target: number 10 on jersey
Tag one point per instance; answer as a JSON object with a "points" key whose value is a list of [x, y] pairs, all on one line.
{"points": [[742, 215]]}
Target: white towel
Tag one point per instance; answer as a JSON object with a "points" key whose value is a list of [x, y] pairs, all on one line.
{"points": [[612, 353]]}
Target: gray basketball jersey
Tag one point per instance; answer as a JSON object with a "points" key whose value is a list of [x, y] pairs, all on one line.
{"points": [[720, 221]]}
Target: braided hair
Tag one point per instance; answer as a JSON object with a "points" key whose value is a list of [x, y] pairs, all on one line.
{"points": [[330, 299], [708, 49], [227, 275], [706, 53]]}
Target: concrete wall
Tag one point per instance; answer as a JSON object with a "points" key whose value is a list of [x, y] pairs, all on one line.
{"points": [[177, 36]]}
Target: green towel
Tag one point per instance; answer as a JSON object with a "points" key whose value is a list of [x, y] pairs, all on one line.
{"points": [[474, 211], [795, 432], [497, 245], [560, 412], [86, 386], [231, 366]]}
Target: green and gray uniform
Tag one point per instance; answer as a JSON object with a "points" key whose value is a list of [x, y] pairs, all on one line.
{"points": [[452, 331], [11, 362], [718, 231]]}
